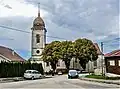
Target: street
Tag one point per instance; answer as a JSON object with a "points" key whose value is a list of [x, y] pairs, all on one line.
{"points": [[56, 82]]}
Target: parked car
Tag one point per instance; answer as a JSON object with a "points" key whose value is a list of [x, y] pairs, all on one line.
{"points": [[73, 74], [32, 74], [60, 73], [79, 71]]}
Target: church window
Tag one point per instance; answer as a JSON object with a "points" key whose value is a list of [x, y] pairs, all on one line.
{"points": [[37, 51], [95, 63], [58, 64], [38, 38], [47, 63]]}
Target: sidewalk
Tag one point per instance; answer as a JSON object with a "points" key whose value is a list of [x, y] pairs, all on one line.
{"points": [[11, 79], [102, 81], [15, 79], [82, 77]]}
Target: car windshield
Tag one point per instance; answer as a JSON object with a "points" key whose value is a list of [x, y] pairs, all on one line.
{"points": [[72, 72], [28, 72], [35, 72]]}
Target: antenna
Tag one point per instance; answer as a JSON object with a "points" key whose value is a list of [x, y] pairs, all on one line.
{"points": [[38, 9]]}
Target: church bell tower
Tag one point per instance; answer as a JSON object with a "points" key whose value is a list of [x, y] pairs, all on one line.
{"points": [[38, 38]]}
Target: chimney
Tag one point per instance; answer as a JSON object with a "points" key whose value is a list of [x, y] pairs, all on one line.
{"points": [[13, 52]]}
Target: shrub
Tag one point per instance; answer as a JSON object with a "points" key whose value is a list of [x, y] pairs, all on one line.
{"points": [[15, 69]]}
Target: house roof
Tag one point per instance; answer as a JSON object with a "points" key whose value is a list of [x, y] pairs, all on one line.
{"points": [[97, 48], [113, 53], [10, 54]]}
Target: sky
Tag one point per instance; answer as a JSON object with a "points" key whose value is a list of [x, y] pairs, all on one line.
{"points": [[97, 20]]}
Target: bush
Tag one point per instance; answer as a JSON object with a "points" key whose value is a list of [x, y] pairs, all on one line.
{"points": [[14, 69]]}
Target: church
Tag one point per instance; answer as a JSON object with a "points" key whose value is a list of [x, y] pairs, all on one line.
{"points": [[38, 41]]}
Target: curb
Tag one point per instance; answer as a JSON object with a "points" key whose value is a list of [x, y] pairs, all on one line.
{"points": [[100, 81], [17, 79], [4, 80]]}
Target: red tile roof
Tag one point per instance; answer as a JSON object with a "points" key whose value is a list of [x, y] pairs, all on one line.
{"points": [[113, 53], [97, 48], [8, 53]]}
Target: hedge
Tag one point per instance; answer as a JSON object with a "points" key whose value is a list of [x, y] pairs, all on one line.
{"points": [[17, 69]]}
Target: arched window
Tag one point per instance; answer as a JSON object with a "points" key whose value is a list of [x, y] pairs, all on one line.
{"points": [[38, 38]]}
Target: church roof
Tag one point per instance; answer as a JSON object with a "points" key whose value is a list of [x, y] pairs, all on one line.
{"points": [[39, 21], [98, 49], [113, 53], [10, 54]]}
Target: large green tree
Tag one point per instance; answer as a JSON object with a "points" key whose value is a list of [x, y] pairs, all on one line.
{"points": [[83, 49], [51, 53], [66, 52]]}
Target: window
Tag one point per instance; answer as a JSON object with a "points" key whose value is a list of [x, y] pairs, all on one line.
{"points": [[27, 71], [47, 63], [38, 38], [58, 64], [118, 62], [95, 63], [112, 63]]}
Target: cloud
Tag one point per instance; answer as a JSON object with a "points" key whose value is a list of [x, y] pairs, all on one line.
{"points": [[21, 23], [7, 6], [96, 20], [18, 9]]}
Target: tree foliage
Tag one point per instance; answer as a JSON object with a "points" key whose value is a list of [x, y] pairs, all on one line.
{"points": [[83, 49], [66, 52], [51, 53]]}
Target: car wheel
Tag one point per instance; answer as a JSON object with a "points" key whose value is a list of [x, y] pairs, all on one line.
{"points": [[32, 78], [68, 77], [40, 77], [24, 78]]}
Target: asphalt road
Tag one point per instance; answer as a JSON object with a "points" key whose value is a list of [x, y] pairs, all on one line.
{"points": [[57, 82]]}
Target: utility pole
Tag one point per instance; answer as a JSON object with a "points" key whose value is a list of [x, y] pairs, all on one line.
{"points": [[102, 57], [89, 67], [91, 63], [73, 62]]}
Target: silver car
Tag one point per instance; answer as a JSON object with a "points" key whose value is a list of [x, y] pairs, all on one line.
{"points": [[32, 74]]}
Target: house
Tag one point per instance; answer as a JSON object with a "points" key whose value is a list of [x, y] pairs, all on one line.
{"points": [[9, 55], [112, 61], [92, 66]]}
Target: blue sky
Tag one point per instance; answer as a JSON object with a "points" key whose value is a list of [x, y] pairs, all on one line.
{"points": [[97, 20]]}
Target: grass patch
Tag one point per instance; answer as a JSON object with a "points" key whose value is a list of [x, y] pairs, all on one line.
{"points": [[102, 77]]}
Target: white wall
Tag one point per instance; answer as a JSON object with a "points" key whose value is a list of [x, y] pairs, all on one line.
{"points": [[90, 65], [61, 64], [44, 65], [75, 64]]}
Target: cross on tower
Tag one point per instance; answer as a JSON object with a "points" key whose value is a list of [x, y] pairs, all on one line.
{"points": [[38, 9]]}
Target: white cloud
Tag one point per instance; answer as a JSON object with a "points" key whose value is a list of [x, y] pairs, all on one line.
{"points": [[96, 20], [19, 9]]}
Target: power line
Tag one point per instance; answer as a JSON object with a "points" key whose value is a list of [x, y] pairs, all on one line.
{"points": [[15, 29], [6, 39]]}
